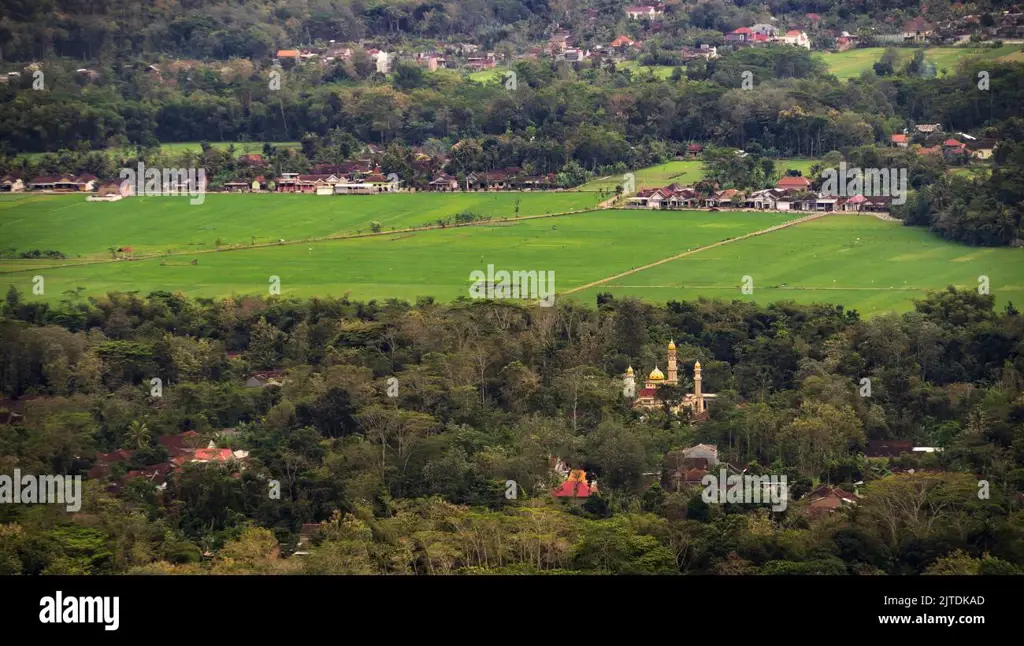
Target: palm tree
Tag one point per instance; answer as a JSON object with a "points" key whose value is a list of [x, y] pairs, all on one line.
{"points": [[138, 434]]}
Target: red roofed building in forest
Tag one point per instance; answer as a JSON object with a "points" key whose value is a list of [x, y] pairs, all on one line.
{"points": [[576, 487]]}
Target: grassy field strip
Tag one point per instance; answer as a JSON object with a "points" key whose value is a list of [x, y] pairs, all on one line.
{"points": [[579, 248], [347, 236], [813, 216], [157, 225], [862, 263]]}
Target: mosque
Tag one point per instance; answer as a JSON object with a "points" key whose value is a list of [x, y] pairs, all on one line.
{"points": [[696, 402]]}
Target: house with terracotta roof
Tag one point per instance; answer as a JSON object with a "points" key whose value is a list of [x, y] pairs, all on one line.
{"points": [[622, 41], [798, 38], [793, 182], [954, 150], [899, 140], [826, 499], [740, 35], [575, 488], [284, 54]]}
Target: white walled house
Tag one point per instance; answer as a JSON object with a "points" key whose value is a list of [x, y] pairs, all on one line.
{"points": [[798, 38]]}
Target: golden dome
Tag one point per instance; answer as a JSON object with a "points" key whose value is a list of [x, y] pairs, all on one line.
{"points": [[696, 366], [671, 345], [656, 375], [629, 370]]}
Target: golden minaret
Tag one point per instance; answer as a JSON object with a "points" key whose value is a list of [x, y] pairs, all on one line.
{"points": [[673, 376]]}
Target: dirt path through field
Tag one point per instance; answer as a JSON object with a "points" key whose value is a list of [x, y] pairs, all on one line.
{"points": [[813, 216]]}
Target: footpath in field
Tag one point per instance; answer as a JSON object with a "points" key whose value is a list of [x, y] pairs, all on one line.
{"points": [[784, 225]]}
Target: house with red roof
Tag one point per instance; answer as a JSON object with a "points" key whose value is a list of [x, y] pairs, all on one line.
{"points": [[740, 35], [795, 183], [575, 488], [899, 140], [622, 41], [954, 150]]}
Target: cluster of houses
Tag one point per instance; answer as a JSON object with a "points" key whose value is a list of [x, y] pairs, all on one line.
{"points": [[466, 55], [764, 33], [1008, 24], [184, 448], [935, 142], [685, 470], [789, 194], [350, 178]]}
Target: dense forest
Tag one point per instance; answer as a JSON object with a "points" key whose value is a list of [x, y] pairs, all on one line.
{"points": [[414, 480]]}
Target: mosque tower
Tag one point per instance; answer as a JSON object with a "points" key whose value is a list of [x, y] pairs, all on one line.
{"points": [[673, 375], [698, 395]]}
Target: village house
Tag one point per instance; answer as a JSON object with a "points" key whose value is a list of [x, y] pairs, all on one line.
{"points": [[918, 30], [979, 149], [740, 35], [887, 448], [430, 61], [645, 12], [798, 38], [621, 41], [705, 51], [693, 151], [574, 55], [899, 140], [444, 184], [826, 499], [764, 29], [559, 42], [486, 62], [845, 42], [793, 182], [12, 184], [288, 54], [576, 488], [82, 183]]}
